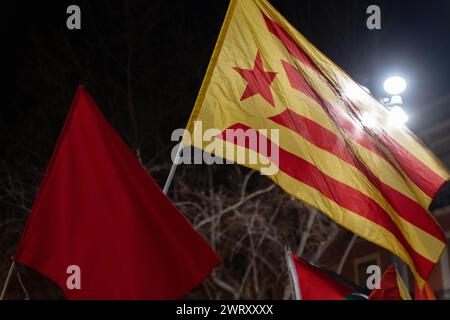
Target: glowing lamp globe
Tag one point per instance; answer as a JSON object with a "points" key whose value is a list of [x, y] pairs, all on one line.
{"points": [[395, 85]]}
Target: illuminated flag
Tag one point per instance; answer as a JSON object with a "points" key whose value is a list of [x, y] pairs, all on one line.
{"points": [[100, 226], [334, 146]]}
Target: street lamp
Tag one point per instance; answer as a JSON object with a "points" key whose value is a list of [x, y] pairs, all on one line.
{"points": [[395, 86]]}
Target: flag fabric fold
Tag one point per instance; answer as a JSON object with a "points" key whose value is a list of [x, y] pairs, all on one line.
{"points": [[424, 294], [98, 210], [337, 148]]}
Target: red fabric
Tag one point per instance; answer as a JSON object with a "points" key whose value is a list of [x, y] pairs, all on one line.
{"points": [[99, 209], [389, 289], [316, 284], [425, 294]]}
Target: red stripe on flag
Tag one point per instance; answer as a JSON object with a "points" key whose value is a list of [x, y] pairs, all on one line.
{"points": [[344, 195], [425, 178], [329, 141], [289, 43], [351, 129]]}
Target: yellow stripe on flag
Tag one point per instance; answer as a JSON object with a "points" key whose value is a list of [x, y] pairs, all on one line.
{"points": [[404, 292]]}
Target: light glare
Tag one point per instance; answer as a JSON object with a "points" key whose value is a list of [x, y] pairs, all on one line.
{"points": [[395, 85], [397, 116], [368, 121]]}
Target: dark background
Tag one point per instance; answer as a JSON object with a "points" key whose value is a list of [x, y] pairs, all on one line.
{"points": [[160, 49], [143, 62]]}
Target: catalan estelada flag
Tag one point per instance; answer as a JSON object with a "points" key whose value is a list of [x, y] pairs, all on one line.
{"points": [[336, 148]]}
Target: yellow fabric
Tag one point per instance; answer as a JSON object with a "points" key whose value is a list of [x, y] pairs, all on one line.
{"points": [[404, 292]]}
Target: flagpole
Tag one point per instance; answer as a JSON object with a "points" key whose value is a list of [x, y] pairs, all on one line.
{"points": [[205, 82], [8, 277], [346, 253], [173, 169], [293, 276]]}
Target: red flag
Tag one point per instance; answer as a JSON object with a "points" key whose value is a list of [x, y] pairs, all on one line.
{"points": [[315, 284], [99, 210], [392, 287]]}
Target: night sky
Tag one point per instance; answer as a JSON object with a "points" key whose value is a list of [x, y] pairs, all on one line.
{"points": [[413, 41], [43, 62]]}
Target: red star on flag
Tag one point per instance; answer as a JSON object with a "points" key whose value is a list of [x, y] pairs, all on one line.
{"points": [[258, 81]]}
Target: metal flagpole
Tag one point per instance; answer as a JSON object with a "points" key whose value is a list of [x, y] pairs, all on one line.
{"points": [[346, 253], [293, 276], [8, 277], [173, 169]]}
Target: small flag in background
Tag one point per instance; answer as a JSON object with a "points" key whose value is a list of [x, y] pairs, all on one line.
{"points": [[338, 149], [100, 213], [392, 287], [316, 284]]}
